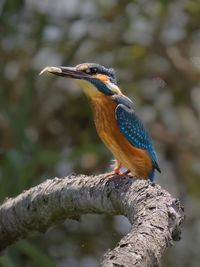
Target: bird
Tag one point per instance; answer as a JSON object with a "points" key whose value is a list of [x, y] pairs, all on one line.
{"points": [[116, 121]]}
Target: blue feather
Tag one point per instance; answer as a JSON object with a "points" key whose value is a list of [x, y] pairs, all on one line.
{"points": [[133, 129], [101, 86]]}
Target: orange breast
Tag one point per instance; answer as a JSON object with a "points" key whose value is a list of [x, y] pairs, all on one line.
{"points": [[134, 159]]}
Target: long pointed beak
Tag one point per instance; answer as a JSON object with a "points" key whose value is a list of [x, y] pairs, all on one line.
{"points": [[69, 72]]}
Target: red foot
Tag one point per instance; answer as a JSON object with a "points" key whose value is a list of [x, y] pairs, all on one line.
{"points": [[124, 173], [115, 172]]}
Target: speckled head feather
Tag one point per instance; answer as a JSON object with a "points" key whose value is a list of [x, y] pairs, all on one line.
{"points": [[94, 68]]}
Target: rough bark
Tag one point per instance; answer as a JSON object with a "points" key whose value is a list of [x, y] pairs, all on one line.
{"points": [[155, 215]]}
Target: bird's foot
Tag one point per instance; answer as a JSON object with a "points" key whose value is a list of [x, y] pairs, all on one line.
{"points": [[109, 175], [114, 174], [124, 173]]}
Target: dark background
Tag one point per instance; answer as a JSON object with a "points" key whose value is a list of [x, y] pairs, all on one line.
{"points": [[46, 126]]}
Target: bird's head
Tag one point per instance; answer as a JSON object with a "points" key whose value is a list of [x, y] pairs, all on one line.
{"points": [[93, 78]]}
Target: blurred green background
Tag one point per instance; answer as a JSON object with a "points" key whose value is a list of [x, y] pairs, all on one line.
{"points": [[46, 126]]}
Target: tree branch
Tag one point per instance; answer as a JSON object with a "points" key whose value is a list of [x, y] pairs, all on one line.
{"points": [[155, 216]]}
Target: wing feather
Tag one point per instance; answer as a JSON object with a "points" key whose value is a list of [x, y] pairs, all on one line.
{"points": [[133, 129]]}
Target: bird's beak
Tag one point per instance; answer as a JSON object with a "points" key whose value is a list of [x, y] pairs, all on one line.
{"points": [[68, 72]]}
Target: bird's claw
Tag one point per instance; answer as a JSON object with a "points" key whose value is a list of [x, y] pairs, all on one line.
{"points": [[114, 174]]}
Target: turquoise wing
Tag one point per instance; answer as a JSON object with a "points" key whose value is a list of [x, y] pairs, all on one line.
{"points": [[133, 129]]}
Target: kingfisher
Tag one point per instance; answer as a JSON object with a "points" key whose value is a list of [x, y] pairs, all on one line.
{"points": [[116, 121]]}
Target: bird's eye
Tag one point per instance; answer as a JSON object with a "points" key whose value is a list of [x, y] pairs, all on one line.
{"points": [[91, 71]]}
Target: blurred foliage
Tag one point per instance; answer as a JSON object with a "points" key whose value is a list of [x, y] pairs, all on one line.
{"points": [[46, 126]]}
